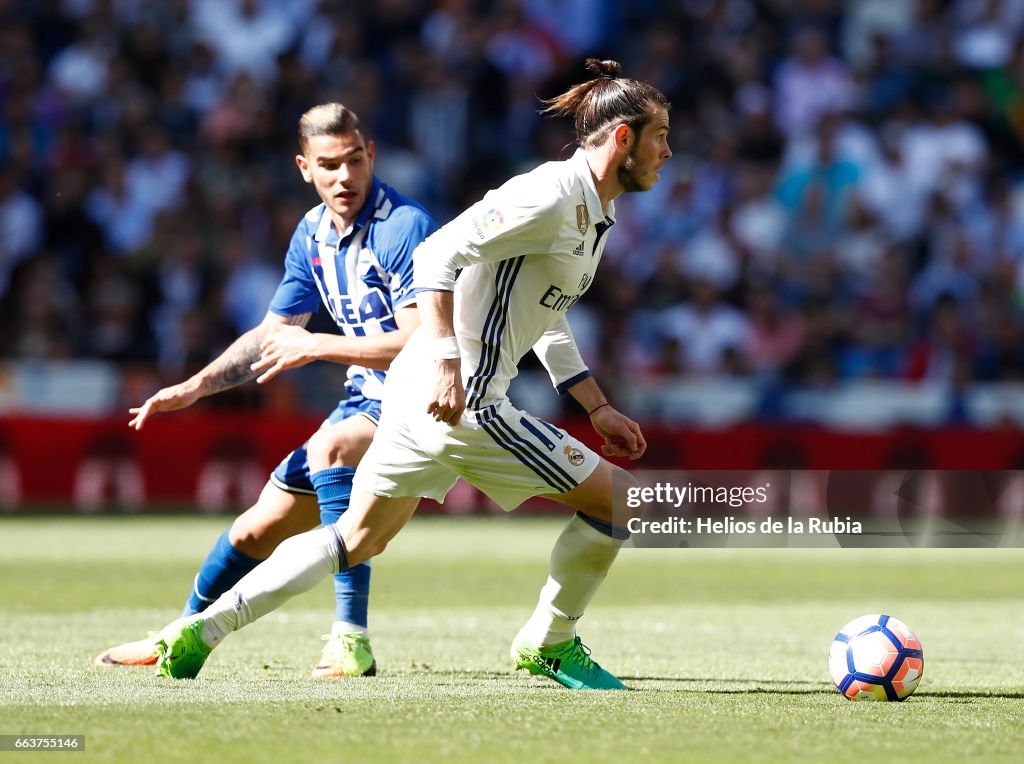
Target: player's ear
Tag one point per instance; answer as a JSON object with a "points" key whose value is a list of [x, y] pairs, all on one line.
{"points": [[371, 149], [303, 165], [623, 136]]}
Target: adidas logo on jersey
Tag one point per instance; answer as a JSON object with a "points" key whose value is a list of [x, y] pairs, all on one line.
{"points": [[578, 252]]}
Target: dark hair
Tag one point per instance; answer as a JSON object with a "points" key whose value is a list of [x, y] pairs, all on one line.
{"points": [[327, 119], [610, 99]]}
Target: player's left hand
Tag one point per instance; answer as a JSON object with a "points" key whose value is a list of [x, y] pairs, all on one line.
{"points": [[622, 436], [286, 348]]}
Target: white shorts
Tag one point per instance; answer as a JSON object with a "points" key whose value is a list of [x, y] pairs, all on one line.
{"points": [[503, 451]]}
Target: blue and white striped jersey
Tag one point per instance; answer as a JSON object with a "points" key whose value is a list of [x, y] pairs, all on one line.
{"points": [[361, 276]]}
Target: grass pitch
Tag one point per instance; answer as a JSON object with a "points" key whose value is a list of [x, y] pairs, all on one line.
{"points": [[724, 652]]}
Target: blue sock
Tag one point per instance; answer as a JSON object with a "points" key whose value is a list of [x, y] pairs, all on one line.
{"points": [[352, 586], [223, 567]]}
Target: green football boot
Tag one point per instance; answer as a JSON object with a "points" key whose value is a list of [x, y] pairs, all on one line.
{"points": [[180, 648], [345, 655], [568, 663]]}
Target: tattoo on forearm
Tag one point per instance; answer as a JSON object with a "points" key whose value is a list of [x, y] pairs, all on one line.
{"points": [[298, 320], [232, 367], [235, 362]]}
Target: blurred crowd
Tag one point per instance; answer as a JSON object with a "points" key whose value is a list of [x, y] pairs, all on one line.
{"points": [[844, 202]]}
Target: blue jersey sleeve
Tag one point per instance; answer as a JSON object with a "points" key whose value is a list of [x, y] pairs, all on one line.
{"points": [[297, 293], [408, 226]]}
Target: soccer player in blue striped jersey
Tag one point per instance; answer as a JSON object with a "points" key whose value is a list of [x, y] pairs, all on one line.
{"points": [[352, 254], [526, 252]]}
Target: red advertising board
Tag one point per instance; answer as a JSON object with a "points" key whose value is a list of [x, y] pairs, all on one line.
{"points": [[219, 461]]}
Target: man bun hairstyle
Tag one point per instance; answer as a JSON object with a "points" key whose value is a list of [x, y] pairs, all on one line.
{"points": [[327, 119], [608, 69], [607, 100]]}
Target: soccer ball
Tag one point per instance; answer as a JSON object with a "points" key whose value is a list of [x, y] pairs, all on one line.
{"points": [[876, 657]]}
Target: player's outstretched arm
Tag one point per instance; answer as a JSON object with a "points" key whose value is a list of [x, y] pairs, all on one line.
{"points": [[230, 369], [622, 436], [288, 347]]}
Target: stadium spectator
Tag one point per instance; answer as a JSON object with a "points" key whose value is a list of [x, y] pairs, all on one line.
{"points": [[21, 225], [246, 36], [710, 333], [809, 82], [125, 218]]}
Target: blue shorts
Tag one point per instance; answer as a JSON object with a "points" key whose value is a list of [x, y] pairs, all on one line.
{"points": [[292, 474]]}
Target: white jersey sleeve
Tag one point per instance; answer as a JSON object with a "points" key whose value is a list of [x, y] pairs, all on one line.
{"points": [[557, 351], [509, 221], [527, 252]]}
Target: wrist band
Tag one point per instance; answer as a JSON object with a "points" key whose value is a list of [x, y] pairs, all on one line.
{"points": [[591, 412], [445, 348]]}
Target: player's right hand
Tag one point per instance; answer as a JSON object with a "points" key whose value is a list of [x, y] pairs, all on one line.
{"points": [[168, 399], [449, 400], [622, 436]]}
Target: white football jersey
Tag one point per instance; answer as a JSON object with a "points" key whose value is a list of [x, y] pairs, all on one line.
{"points": [[527, 252]]}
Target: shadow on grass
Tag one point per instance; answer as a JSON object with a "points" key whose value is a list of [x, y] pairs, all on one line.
{"points": [[793, 687], [750, 686], [965, 694], [759, 685]]}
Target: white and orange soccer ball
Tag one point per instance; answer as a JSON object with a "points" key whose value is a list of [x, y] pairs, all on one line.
{"points": [[876, 657]]}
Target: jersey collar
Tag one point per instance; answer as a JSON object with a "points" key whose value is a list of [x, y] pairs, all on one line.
{"points": [[328, 235], [594, 208]]}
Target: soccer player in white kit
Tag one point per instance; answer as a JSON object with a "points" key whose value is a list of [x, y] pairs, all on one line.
{"points": [[492, 285]]}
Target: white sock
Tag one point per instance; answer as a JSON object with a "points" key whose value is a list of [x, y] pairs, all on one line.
{"points": [[296, 566], [580, 560], [344, 627]]}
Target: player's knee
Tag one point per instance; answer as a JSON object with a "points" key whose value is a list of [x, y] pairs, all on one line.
{"points": [[374, 545], [606, 504], [254, 536], [621, 479], [258, 531], [623, 507], [376, 548], [327, 449], [360, 547]]}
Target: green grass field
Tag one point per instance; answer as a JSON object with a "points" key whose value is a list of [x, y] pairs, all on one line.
{"points": [[723, 651]]}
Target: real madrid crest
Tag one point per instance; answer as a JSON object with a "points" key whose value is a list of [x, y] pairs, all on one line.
{"points": [[574, 455], [582, 219]]}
